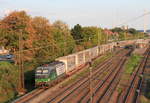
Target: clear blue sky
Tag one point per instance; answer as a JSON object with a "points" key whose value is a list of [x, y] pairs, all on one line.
{"points": [[103, 13]]}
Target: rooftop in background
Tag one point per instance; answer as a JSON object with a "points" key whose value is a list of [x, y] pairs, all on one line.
{"points": [[3, 51], [148, 31]]}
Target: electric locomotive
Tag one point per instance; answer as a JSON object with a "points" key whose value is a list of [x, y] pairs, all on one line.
{"points": [[48, 74]]}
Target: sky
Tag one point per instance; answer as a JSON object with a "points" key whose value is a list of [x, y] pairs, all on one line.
{"points": [[101, 13]]}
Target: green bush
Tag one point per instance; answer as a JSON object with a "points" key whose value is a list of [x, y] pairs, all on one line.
{"points": [[8, 81], [132, 63]]}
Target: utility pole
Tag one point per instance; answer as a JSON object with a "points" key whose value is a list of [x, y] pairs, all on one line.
{"points": [[98, 34], [106, 39], [114, 19], [145, 21], [65, 46], [21, 69], [126, 31], [91, 92], [125, 28]]}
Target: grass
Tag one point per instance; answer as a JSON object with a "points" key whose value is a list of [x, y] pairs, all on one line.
{"points": [[75, 77], [130, 67], [101, 59], [8, 81], [132, 63], [143, 99], [119, 90]]}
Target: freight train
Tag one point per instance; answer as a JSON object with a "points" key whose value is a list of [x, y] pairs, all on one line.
{"points": [[47, 74]]}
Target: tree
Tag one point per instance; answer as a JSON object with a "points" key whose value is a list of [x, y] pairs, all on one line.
{"points": [[90, 36], [8, 81], [76, 32], [117, 29], [132, 31], [13, 25], [63, 38], [43, 39]]}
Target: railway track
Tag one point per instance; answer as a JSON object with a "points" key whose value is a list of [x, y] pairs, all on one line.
{"points": [[131, 92], [29, 96], [141, 82], [80, 94], [105, 79], [102, 89], [36, 92], [85, 86], [68, 93], [112, 85]]}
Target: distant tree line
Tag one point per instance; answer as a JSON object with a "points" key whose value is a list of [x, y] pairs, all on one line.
{"points": [[55, 39], [44, 41], [126, 34]]}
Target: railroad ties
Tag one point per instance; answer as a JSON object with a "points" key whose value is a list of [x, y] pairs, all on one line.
{"points": [[98, 87]]}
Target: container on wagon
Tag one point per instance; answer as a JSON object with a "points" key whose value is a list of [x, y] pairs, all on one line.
{"points": [[69, 61]]}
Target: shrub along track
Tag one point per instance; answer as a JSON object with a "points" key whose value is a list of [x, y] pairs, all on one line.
{"points": [[131, 92], [72, 92]]}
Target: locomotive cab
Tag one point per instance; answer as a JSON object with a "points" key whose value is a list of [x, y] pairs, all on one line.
{"points": [[48, 73], [41, 76]]}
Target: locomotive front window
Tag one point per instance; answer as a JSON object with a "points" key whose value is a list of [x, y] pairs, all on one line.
{"points": [[38, 71], [45, 71]]}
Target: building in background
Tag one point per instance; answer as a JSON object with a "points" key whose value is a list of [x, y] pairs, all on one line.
{"points": [[3, 51]]}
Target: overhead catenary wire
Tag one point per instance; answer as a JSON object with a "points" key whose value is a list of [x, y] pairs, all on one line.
{"points": [[46, 46], [133, 19]]}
